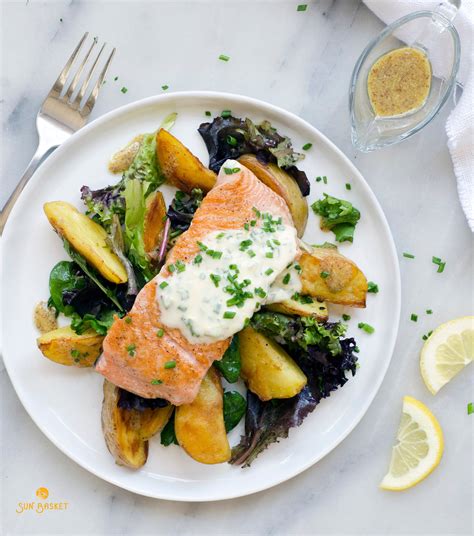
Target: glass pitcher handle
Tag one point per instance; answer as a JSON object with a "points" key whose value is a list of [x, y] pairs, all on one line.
{"points": [[441, 18]]}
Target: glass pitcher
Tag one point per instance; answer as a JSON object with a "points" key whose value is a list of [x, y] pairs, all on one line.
{"points": [[438, 39]]}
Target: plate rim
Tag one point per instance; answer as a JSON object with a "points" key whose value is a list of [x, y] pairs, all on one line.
{"points": [[298, 121]]}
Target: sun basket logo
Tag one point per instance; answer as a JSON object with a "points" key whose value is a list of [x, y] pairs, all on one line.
{"points": [[41, 506]]}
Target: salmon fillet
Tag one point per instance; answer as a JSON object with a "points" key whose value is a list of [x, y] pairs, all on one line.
{"points": [[133, 354]]}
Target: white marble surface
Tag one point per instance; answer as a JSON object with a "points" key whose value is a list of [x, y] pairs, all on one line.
{"points": [[301, 61]]}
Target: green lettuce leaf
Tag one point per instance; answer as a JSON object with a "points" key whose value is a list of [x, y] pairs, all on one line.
{"points": [[234, 409], [229, 365]]}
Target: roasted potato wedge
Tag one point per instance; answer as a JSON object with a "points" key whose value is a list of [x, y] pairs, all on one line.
{"points": [[87, 237], [66, 347], [318, 309], [180, 167], [154, 222], [126, 431], [327, 275], [267, 369], [281, 183], [199, 426]]}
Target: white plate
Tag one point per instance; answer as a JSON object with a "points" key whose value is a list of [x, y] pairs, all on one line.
{"points": [[65, 402]]}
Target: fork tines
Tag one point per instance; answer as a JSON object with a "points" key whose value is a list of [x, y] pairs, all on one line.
{"points": [[66, 92]]}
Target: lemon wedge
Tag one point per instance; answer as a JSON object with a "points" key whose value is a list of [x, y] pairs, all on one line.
{"points": [[419, 447], [446, 352]]}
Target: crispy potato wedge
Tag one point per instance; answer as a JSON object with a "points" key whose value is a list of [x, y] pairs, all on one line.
{"points": [[345, 284], [199, 426], [281, 183], [87, 237], [266, 368], [66, 347], [179, 166], [318, 309], [154, 222], [126, 431]]}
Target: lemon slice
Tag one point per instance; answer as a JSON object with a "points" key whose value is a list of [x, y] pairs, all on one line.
{"points": [[419, 447], [446, 352]]}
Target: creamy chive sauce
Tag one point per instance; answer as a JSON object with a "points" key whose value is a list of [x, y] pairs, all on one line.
{"points": [[233, 275]]}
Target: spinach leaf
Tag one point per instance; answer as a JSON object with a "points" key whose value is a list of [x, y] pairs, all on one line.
{"points": [[64, 277], [91, 273], [100, 324], [337, 215], [234, 409], [168, 435], [229, 365]]}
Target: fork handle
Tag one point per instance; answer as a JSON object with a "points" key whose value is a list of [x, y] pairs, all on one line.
{"points": [[41, 152]]}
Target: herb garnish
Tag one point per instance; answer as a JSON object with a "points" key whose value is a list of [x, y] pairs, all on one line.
{"points": [[408, 256], [366, 327], [372, 287], [307, 146], [131, 350], [229, 315], [160, 332], [170, 364], [164, 284], [223, 57], [302, 7], [124, 90], [414, 317], [156, 382]]}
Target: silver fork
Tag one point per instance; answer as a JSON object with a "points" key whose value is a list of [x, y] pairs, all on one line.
{"points": [[60, 115]]}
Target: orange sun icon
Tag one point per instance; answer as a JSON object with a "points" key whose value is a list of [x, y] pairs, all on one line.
{"points": [[42, 493]]}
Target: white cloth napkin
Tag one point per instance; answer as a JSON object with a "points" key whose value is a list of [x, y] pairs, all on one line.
{"points": [[460, 123]]}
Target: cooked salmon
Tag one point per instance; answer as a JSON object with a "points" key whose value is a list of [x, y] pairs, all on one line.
{"points": [[136, 350]]}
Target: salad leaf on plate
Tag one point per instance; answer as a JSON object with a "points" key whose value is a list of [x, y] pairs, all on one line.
{"points": [[234, 409], [338, 216], [323, 355], [182, 209], [231, 137], [168, 435], [229, 365]]}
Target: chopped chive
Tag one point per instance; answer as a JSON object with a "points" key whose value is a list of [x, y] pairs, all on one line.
{"points": [[409, 256], [220, 235], [170, 364], [226, 113], [229, 315], [356, 349], [171, 268], [414, 317], [131, 350], [325, 179], [436, 260], [470, 408], [297, 267], [251, 253], [440, 269], [302, 7], [156, 382], [231, 141], [246, 322], [246, 226], [260, 292], [223, 57], [198, 259], [324, 274], [269, 271], [257, 212], [208, 113], [115, 79], [348, 186], [180, 266], [429, 311], [346, 317], [128, 319], [124, 90], [214, 254], [318, 179], [269, 255], [215, 279], [307, 146], [160, 332], [427, 336], [372, 287], [163, 284], [165, 87], [286, 279], [365, 327], [253, 223], [231, 171]]}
